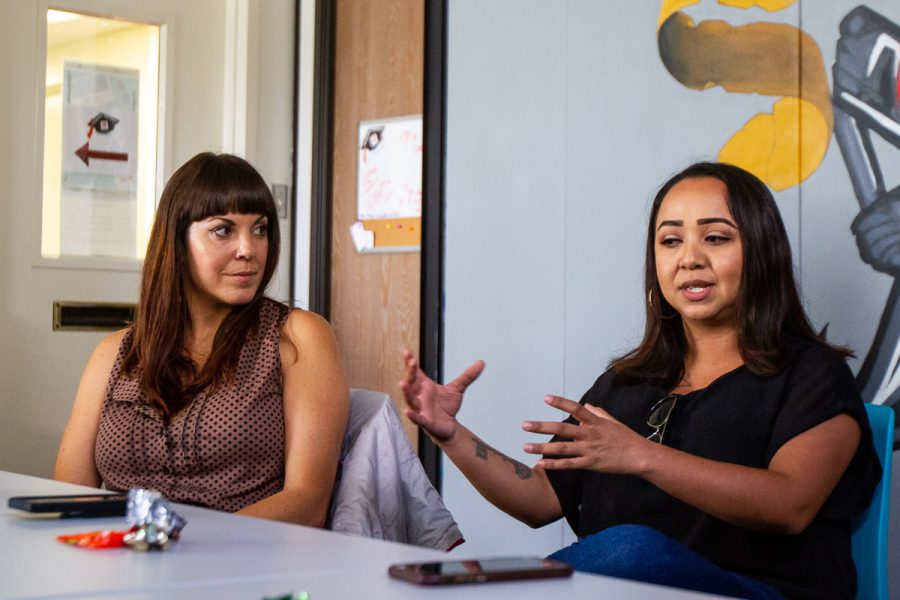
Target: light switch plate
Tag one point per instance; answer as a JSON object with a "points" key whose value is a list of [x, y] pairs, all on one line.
{"points": [[280, 193]]}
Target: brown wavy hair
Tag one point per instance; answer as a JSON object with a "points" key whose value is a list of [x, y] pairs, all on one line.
{"points": [[207, 185], [768, 305]]}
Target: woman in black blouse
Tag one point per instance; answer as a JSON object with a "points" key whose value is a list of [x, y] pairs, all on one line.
{"points": [[728, 452]]}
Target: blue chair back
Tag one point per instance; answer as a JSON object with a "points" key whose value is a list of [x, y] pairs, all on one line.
{"points": [[870, 529]]}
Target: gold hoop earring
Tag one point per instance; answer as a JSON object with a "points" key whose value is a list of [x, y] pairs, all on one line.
{"points": [[661, 315]]}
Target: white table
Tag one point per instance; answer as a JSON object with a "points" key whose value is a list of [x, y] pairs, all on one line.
{"points": [[226, 556]]}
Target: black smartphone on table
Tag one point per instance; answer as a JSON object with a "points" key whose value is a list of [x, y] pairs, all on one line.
{"points": [[480, 570], [73, 505]]}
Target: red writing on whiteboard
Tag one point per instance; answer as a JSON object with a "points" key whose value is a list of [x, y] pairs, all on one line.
{"points": [[390, 174]]}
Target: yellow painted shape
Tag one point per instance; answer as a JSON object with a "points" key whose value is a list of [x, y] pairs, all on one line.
{"points": [[670, 7], [769, 5], [782, 148]]}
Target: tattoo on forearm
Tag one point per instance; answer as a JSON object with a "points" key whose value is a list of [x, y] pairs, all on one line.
{"points": [[482, 449]]}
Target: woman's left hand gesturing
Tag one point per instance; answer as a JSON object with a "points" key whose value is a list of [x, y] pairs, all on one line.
{"points": [[598, 443]]}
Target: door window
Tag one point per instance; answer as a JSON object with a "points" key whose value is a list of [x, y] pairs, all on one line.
{"points": [[100, 136]]}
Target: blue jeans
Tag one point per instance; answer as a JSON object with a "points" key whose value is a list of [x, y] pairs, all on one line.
{"points": [[644, 554]]}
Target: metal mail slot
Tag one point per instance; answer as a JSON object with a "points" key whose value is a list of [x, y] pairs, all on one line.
{"points": [[91, 316]]}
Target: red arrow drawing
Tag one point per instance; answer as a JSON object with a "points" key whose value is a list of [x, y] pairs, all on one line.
{"points": [[85, 154]]}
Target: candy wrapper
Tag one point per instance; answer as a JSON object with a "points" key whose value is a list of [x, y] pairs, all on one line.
{"points": [[154, 525], [94, 539]]}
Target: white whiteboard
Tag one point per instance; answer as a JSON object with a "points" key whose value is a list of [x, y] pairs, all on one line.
{"points": [[389, 180]]}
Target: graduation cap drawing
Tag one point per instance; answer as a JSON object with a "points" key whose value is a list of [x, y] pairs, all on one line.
{"points": [[103, 123], [372, 138]]}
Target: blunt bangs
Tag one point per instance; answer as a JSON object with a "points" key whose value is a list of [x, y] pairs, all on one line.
{"points": [[227, 184]]}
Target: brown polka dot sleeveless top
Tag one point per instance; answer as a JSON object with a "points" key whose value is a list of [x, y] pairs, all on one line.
{"points": [[224, 450]]}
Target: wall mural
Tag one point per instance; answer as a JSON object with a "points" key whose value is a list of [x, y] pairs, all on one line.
{"points": [[757, 58], [867, 103], [785, 146]]}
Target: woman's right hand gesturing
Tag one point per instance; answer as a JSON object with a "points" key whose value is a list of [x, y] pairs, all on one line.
{"points": [[433, 406]]}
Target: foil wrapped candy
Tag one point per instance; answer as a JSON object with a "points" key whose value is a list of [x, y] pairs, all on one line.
{"points": [[154, 525]]}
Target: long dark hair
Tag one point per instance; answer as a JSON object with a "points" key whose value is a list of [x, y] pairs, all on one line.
{"points": [[207, 185], [768, 305]]}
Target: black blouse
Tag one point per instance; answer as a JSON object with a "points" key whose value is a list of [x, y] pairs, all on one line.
{"points": [[740, 418]]}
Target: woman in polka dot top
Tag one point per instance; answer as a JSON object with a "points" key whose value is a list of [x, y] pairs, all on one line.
{"points": [[216, 395]]}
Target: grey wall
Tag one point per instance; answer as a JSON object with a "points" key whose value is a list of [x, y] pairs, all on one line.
{"points": [[562, 122], [505, 235]]}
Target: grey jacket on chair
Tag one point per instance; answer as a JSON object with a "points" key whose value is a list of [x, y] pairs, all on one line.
{"points": [[382, 490]]}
